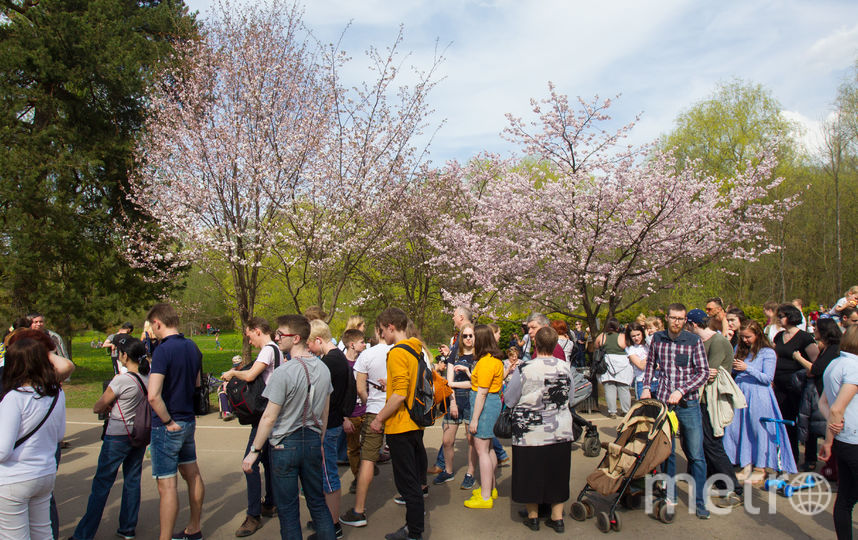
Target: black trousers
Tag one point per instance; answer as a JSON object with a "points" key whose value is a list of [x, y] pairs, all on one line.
{"points": [[408, 458], [788, 402], [847, 487], [713, 450]]}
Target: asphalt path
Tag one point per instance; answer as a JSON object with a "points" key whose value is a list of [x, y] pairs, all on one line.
{"points": [[220, 447]]}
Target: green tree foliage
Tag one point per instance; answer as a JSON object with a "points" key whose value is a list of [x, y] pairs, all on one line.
{"points": [[73, 76]]}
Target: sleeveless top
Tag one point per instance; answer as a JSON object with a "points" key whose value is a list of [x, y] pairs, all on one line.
{"points": [[612, 344]]}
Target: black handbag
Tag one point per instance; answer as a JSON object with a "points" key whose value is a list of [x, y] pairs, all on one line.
{"points": [[599, 363], [503, 425]]}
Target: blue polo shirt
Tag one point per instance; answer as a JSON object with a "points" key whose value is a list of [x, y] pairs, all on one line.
{"points": [[179, 360]]}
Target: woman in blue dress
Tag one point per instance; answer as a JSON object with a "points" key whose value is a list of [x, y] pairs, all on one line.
{"points": [[747, 441]]}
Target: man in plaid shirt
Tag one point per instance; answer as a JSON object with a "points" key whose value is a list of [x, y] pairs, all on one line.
{"points": [[681, 359]]}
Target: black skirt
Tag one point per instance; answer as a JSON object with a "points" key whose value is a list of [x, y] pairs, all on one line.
{"points": [[540, 474]]}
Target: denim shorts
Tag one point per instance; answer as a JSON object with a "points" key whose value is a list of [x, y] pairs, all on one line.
{"points": [[169, 449], [488, 416], [331, 480], [462, 398]]}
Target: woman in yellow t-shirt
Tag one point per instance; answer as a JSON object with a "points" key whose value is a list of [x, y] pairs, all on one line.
{"points": [[486, 384]]}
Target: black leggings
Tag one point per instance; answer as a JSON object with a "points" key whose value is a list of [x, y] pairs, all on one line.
{"points": [[788, 403], [847, 488]]}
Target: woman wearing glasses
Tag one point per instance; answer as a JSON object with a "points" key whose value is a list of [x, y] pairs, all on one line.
{"points": [[459, 377]]}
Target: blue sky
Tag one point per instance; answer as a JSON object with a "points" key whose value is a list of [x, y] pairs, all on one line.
{"points": [[661, 56]]}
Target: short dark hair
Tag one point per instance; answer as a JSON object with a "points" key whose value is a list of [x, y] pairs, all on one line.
{"points": [[298, 324], [717, 300], [545, 340], [127, 326], [394, 316], [792, 314], [352, 335], [738, 312], [845, 313], [259, 323], [829, 332], [165, 313], [676, 306]]}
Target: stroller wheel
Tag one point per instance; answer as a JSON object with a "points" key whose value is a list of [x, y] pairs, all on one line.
{"points": [[591, 510], [788, 490], [603, 522], [578, 511], [616, 524], [665, 513]]}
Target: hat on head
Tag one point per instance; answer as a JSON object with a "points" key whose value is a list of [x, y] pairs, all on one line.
{"points": [[697, 316]]}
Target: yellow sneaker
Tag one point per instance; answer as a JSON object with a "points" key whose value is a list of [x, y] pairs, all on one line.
{"points": [[478, 502], [478, 493]]}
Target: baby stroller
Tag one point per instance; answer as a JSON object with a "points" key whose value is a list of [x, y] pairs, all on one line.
{"points": [[643, 443], [581, 390]]}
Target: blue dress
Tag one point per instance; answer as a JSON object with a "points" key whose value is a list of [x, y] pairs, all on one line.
{"points": [[747, 440]]}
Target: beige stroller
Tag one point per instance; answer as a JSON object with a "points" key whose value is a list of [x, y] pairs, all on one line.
{"points": [[643, 443]]}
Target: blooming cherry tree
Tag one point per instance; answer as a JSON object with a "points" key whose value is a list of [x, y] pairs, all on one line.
{"points": [[589, 223]]}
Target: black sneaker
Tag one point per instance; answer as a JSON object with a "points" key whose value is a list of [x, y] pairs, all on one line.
{"points": [[401, 534], [353, 519], [338, 532], [399, 499], [182, 535]]}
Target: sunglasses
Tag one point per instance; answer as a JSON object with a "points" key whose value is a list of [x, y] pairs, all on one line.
{"points": [[467, 336], [280, 334]]}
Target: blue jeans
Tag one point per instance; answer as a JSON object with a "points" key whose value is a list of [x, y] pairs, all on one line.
{"points": [[116, 450], [254, 479], [653, 387], [496, 445], [299, 455], [691, 440], [342, 447]]}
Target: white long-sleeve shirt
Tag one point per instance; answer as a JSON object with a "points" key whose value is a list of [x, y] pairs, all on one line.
{"points": [[20, 411]]}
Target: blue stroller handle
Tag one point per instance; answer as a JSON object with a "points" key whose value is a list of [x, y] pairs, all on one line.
{"points": [[778, 421]]}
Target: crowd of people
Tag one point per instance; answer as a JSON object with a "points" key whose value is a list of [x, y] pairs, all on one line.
{"points": [[353, 399]]}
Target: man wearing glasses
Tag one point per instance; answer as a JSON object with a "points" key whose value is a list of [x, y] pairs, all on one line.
{"points": [[681, 358]]}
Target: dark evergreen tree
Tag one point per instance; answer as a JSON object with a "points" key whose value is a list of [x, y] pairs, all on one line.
{"points": [[73, 79]]}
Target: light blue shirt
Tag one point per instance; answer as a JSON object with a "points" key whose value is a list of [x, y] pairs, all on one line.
{"points": [[843, 370]]}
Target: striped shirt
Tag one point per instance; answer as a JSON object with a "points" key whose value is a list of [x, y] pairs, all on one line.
{"points": [[681, 361]]}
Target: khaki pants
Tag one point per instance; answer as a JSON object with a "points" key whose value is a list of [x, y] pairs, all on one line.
{"points": [[353, 443]]}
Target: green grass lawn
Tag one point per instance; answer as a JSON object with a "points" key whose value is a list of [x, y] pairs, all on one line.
{"points": [[93, 365]]}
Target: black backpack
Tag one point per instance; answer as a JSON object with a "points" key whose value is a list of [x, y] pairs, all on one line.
{"points": [[246, 397], [423, 410]]}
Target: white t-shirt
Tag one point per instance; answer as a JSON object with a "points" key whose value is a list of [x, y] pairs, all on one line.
{"points": [[266, 356], [640, 351], [20, 412], [373, 362]]}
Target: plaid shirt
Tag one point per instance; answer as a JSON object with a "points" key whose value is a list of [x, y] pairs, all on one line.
{"points": [[681, 361]]}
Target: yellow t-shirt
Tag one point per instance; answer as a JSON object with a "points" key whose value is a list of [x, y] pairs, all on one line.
{"points": [[402, 380], [488, 373]]}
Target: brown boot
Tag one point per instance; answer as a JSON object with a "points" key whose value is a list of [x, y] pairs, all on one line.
{"points": [[251, 525]]}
